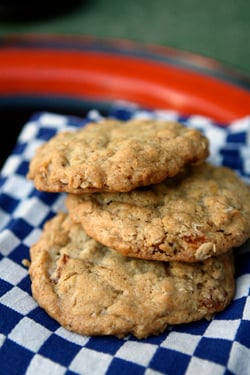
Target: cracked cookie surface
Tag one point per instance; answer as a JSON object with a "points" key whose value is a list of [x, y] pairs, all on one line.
{"points": [[200, 213], [115, 156], [93, 290]]}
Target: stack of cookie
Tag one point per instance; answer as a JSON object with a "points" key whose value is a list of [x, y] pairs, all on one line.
{"points": [[149, 230]]}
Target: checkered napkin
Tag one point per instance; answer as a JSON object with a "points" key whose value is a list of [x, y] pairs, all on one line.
{"points": [[33, 343]]}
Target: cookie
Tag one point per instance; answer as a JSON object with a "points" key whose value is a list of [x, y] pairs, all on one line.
{"points": [[200, 213], [115, 156], [93, 290]]}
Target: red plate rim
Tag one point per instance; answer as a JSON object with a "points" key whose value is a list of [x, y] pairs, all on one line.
{"points": [[97, 70]]}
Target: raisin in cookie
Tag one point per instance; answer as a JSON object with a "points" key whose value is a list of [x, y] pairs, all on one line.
{"points": [[93, 290], [115, 156], [202, 212]]}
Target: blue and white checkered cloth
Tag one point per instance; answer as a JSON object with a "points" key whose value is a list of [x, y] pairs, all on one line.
{"points": [[32, 343]]}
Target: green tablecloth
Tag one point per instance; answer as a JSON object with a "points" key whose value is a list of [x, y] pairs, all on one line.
{"points": [[217, 29]]}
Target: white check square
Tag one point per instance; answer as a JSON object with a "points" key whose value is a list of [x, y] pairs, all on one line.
{"points": [[137, 352], [18, 300], [29, 334], [223, 329], [204, 367], [11, 271], [44, 366], [90, 362], [178, 341]]}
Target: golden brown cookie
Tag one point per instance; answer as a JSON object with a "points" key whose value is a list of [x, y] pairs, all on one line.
{"points": [[200, 213], [93, 290], [115, 156]]}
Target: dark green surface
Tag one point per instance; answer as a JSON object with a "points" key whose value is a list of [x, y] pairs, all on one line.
{"points": [[217, 29]]}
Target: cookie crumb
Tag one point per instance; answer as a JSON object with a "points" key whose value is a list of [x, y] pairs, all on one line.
{"points": [[26, 263]]}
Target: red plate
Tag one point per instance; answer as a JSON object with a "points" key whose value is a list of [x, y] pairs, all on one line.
{"points": [[75, 70]]}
